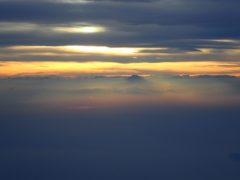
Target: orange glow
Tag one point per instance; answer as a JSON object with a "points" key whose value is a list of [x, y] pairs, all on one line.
{"points": [[10, 69]]}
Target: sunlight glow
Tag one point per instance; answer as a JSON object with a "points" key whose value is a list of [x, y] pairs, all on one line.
{"points": [[101, 50], [75, 49], [11, 69], [81, 29]]}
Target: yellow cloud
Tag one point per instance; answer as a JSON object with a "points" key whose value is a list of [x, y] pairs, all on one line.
{"points": [[8, 69]]}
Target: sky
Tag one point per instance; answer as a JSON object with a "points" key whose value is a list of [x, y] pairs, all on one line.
{"points": [[119, 89]]}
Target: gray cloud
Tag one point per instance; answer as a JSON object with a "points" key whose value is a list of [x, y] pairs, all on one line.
{"points": [[180, 25]]}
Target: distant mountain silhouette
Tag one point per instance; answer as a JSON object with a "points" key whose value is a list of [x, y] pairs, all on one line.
{"points": [[135, 78]]}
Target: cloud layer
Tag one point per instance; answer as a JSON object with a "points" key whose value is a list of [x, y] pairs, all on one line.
{"points": [[179, 26]]}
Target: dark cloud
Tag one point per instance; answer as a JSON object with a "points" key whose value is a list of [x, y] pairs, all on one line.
{"points": [[177, 24], [175, 12]]}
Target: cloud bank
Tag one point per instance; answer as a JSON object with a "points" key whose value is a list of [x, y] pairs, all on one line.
{"points": [[173, 30]]}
